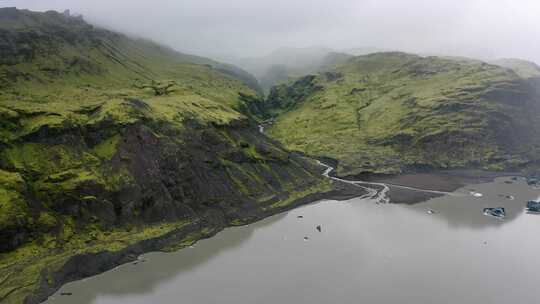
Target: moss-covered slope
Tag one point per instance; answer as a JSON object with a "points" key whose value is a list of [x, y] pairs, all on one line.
{"points": [[106, 142], [390, 112]]}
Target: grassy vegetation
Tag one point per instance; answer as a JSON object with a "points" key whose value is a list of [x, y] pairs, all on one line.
{"points": [[98, 136], [388, 112], [21, 268], [325, 186]]}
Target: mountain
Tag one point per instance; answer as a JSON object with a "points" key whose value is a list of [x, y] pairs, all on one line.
{"points": [[112, 146], [523, 68], [285, 64], [397, 112], [360, 51]]}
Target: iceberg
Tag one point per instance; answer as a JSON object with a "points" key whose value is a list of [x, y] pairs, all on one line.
{"points": [[533, 206], [495, 212]]}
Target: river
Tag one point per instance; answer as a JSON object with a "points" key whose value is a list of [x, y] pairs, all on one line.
{"points": [[366, 252]]}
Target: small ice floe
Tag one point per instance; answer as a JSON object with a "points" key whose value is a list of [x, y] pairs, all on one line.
{"points": [[498, 212], [476, 194], [533, 182], [508, 197], [533, 207], [319, 228], [430, 211]]}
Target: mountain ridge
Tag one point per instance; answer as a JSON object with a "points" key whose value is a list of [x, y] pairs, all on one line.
{"points": [[385, 112]]}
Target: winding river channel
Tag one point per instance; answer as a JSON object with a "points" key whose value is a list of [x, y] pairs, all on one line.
{"points": [[444, 250]]}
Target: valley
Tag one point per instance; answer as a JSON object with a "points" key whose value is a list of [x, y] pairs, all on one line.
{"points": [[115, 147]]}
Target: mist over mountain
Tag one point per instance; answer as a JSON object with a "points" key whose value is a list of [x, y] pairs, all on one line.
{"points": [[244, 28]]}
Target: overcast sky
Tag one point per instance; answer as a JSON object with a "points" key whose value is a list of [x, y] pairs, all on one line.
{"points": [[475, 28]]}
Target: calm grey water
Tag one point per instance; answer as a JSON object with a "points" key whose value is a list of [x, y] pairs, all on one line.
{"points": [[366, 253]]}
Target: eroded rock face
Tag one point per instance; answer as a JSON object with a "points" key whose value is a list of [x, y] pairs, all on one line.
{"points": [[153, 175], [98, 163], [96, 149]]}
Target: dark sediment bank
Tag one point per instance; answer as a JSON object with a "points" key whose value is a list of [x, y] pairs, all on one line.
{"points": [[432, 180], [447, 181]]}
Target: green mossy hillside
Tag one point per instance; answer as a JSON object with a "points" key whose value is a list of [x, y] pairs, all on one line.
{"points": [[395, 112], [107, 141]]}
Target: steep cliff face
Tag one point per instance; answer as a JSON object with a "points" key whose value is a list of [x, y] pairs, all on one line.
{"points": [[395, 112], [106, 142]]}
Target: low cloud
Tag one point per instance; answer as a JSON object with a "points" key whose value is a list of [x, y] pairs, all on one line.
{"points": [[217, 28]]}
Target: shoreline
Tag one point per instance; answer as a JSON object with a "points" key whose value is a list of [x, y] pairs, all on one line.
{"points": [[86, 265], [413, 188], [443, 181]]}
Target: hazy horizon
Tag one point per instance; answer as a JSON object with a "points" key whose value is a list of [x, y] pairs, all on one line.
{"points": [[241, 28]]}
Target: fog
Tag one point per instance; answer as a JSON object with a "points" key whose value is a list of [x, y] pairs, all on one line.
{"points": [[239, 28]]}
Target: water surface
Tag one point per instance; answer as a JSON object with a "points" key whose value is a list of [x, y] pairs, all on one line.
{"points": [[366, 253]]}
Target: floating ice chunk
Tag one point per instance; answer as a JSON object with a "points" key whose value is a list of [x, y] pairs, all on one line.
{"points": [[533, 182], [495, 212], [476, 194], [509, 197], [430, 211], [533, 206]]}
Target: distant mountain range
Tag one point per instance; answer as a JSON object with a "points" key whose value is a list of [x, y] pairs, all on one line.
{"points": [[286, 64]]}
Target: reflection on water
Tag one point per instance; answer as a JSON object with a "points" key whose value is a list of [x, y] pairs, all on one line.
{"points": [[365, 253]]}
